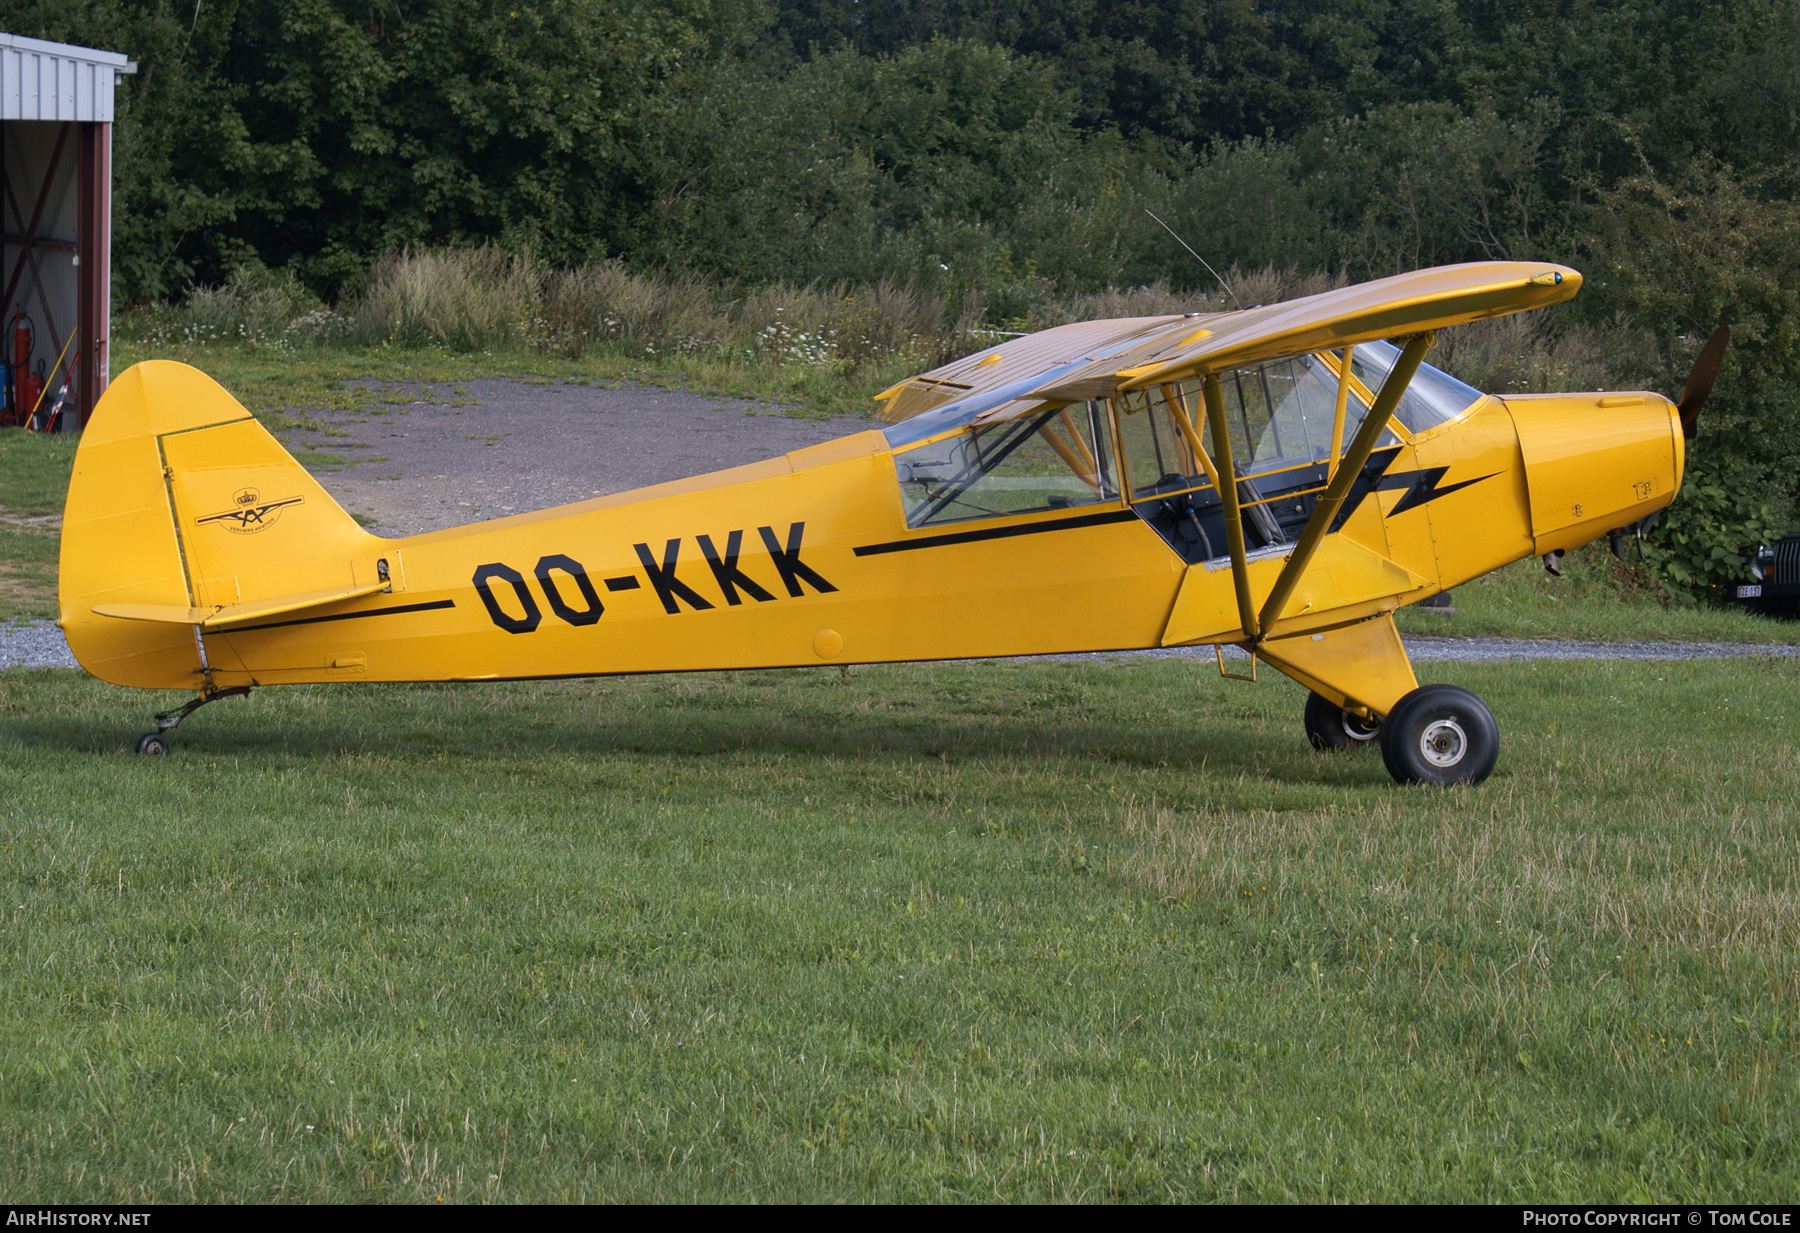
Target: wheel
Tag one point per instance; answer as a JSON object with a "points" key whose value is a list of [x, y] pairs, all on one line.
{"points": [[1442, 735], [153, 744], [1329, 726]]}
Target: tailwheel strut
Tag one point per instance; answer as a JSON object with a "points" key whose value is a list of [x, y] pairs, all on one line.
{"points": [[156, 744]]}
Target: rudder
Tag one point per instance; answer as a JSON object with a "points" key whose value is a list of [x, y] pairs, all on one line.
{"points": [[181, 501]]}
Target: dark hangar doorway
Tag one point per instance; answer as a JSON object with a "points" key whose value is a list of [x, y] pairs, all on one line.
{"points": [[56, 117]]}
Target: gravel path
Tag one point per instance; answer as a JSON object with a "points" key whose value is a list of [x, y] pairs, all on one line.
{"points": [[425, 457], [34, 644], [39, 644]]}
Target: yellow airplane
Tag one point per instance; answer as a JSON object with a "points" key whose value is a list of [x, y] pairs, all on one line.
{"points": [[1280, 479]]}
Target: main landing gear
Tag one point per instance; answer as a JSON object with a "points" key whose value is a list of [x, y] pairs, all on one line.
{"points": [[156, 745], [1437, 734], [1331, 727]]}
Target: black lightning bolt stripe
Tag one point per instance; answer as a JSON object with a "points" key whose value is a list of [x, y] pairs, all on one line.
{"points": [[1366, 480], [970, 537], [343, 616], [1421, 486]]}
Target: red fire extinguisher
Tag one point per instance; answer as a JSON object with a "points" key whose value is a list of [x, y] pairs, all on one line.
{"points": [[31, 392], [24, 334]]}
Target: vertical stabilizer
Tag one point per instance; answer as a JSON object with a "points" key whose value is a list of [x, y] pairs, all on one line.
{"points": [[181, 500]]}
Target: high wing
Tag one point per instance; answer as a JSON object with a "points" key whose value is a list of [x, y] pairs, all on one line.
{"points": [[1098, 359]]}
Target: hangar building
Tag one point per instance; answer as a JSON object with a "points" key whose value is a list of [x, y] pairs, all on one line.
{"points": [[56, 114]]}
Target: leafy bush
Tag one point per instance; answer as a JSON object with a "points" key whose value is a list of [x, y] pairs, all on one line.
{"points": [[1698, 545], [1525, 354]]}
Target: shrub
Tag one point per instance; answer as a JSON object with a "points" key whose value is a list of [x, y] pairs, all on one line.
{"points": [[471, 299]]}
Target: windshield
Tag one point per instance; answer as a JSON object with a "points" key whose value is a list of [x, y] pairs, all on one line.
{"points": [[1433, 397]]}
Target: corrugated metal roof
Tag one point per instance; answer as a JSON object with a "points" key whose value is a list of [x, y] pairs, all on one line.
{"points": [[54, 81]]}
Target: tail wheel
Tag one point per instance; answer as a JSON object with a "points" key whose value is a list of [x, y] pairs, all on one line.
{"points": [[1329, 726], [1440, 734]]}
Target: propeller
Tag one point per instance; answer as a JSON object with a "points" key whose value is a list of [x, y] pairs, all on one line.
{"points": [[1700, 380]]}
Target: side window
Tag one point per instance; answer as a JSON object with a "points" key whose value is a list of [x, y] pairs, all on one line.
{"points": [[1050, 460], [1157, 457], [1284, 409], [1279, 416]]}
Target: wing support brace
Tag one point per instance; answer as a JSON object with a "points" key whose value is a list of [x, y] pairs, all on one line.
{"points": [[1329, 502], [1228, 498]]}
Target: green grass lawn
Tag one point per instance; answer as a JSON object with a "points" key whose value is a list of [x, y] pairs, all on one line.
{"points": [[34, 477], [1597, 597], [1074, 932]]}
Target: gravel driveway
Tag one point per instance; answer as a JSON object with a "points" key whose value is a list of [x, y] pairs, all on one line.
{"points": [[425, 457]]}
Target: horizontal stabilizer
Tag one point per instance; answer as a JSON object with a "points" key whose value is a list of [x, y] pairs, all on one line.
{"points": [[234, 614]]}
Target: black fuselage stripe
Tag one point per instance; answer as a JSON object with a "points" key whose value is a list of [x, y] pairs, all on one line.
{"points": [[346, 616], [971, 537]]}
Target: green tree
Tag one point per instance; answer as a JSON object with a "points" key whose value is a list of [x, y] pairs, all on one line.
{"points": [[1680, 257], [1420, 184], [317, 134]]}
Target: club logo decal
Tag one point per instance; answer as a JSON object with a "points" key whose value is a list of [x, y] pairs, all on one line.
{"points": [[251, 513]]}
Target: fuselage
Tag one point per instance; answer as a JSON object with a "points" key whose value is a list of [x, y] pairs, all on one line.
{"points": [[810, 559]]}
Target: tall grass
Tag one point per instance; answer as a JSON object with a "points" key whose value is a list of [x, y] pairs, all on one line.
{"points": [[488, 300], [1524, 354], [484, 299]]}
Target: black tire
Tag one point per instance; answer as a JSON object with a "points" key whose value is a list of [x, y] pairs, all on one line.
{"points": [[153, 745], [1331, 727], [1440, 734]]}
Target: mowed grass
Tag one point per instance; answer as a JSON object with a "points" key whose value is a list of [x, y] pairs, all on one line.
{"points": [[280, 386], [1001, 931], [34, 478], [1597, 597]]}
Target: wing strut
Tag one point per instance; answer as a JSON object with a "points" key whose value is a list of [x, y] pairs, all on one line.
{"points": [[1175, 398], [1228, 497], [1333, 497], [1337, 419]]}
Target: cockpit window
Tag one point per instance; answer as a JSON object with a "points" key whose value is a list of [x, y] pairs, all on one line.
{"points": [[1279, 415], [1051, 460], [1433, 397], [1283, 409]]}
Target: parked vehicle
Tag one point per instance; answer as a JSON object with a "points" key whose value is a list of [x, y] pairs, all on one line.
{"points": [[1776, 590]]}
